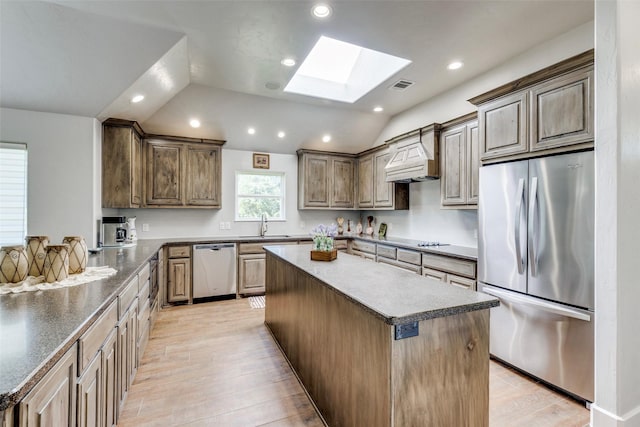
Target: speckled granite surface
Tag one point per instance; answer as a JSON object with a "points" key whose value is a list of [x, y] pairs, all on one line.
{"points": [[464, 252], [36, 328], [391, 294]]}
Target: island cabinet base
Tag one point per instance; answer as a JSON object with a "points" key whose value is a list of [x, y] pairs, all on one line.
{"points": [[358, 374]]}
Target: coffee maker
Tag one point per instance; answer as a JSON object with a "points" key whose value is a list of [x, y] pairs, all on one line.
{"points": [[114, 231]]}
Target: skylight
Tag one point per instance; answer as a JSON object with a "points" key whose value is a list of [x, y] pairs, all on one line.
{"points": [[342, 71]]}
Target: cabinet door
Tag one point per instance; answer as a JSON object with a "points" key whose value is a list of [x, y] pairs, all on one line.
{"points": [[202, 175], [473, 163], [441, 276], [365, 182], [503, 126], [179, 280], [136, 169], [121, 167], [122, 366], [52, 401], [109, 372], [383, 190], [251, 273], [90, 394], [164, 172], [342, 175], [132, 347], [454, 174], [461, 282], [562, 111], [316, 181]]}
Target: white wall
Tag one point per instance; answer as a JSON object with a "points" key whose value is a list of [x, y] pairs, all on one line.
{"points": [[206, 222], [61, 171], [425, 220], [617, 373]]}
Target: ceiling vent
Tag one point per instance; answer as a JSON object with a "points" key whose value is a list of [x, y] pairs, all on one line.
{"points": [[401, 84]]}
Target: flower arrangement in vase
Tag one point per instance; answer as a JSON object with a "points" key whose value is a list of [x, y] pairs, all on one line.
{"points": [[322, 236]]}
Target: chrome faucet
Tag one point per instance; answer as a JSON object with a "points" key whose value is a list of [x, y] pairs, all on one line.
{"points": [[263, 225]]}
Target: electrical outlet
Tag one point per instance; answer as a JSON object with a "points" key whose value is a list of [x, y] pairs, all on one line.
{"points": [[222, 226], [227, 225], [145, 227], [302, 224], [475, 233]]}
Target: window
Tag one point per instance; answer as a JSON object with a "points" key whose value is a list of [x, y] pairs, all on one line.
{"points": [[13, 193], [258, 193]]}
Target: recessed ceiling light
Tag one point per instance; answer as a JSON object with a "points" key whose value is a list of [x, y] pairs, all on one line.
{"points": [[288, 62], [326, 138], [195, 123], [378, 109], [251, 131], [455, 65], [342, 71], [137, 98], [281, 134], [321, 10]]}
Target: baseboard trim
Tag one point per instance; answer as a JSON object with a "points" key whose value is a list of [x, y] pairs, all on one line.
{"points": [[603, 418]]}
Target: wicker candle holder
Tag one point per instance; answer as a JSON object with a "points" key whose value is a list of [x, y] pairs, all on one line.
{"points": [[78, 253], [56, 263], [14, 265], [36, 253]]}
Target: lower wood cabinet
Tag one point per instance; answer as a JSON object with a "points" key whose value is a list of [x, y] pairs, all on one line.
{"points": [[110, 375], [52, 402], [454, 271], [90, 391], [179, 274], [251, 273]]}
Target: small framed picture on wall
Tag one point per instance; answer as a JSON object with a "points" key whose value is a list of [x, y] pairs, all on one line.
{"points": [[260, 161]]}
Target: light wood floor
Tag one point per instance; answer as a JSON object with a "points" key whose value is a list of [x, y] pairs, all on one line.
{"points": [[215, 364]]}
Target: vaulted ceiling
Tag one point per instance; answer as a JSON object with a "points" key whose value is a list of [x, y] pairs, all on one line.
{"points": [[219, 61]]}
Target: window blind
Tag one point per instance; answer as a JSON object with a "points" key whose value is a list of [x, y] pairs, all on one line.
{"points": [[13, 193]]}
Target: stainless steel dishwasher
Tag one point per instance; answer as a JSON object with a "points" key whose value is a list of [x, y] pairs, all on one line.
{"points": [[214, 270]]}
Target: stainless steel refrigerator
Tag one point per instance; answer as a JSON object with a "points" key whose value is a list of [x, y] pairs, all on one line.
{"points": [[535, 253]]}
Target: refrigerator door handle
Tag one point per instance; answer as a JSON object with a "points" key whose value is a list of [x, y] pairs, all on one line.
{"points": [[533, 199], [520, 195], [542, 305]]}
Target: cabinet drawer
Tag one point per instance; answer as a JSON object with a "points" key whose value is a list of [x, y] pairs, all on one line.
{"points": [[127, 296], [440, 276], [363, 246], [143, 295], [386, 251], [91, 341], [340, 244], [451, 265], [401, 265], [461, 282], [412, 257], [144, 275], [179, 251], [257, 248], [364, 255]]}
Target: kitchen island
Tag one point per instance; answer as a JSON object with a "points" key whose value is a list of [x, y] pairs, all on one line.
{"points": [[378, 346]]}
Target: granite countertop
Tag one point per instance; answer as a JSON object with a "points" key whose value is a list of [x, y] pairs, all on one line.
{"points": [[37, 328], [464, 252], [393, 295]]}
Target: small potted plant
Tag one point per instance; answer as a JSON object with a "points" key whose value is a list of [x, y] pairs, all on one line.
{"points": [[323, 249]]}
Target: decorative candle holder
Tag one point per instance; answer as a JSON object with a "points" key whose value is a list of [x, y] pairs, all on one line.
{"points": [[78, 253], [36, 252], [14, 265], [56, 263]]}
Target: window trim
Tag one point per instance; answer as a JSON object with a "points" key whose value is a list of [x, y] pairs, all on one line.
{"points": [[20, 146], [283, 195]]}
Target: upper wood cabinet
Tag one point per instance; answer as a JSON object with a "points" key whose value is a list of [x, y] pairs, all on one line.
{"points": [[374, 192], [182, 174], [459, 156], [157, 171], [546, 112], [326, 180], [121, 164]]}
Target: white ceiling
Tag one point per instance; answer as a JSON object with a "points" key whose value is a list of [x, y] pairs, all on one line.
{"points": [[212, 59]]}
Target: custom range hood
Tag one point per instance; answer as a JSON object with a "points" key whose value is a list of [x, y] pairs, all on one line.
{"points": [[414, 156]]}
